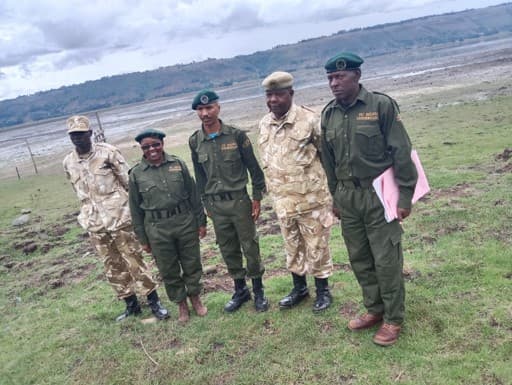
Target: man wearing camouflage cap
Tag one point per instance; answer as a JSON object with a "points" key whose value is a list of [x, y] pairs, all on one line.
{"points": [[289, 143], [222, 155], [363, 135], [99, 176]]}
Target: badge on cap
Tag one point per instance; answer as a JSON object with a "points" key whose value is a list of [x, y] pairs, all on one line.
{"points": [[204, 99], [341, 64]]}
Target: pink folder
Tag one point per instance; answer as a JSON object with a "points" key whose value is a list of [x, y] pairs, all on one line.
{"points": [[387, 189]]}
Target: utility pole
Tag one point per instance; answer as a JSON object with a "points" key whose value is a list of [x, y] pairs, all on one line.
{"points": [[31, 156], [99, 134]]}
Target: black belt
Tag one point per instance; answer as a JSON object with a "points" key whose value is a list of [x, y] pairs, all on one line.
{"points": [[182, 207], [227, 196], [356, 183]]}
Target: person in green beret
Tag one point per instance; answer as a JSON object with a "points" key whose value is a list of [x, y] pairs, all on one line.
{"points": [[222, 156], [362, 136], [168, 219]]}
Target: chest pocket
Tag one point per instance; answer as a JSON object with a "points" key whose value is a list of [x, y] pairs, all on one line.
{"points": [[202, 157], [147, 190], [369, 140], [103, 181], [232, 162], [301, 147]]}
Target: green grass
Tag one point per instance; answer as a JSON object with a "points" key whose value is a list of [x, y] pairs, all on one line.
{"points": [[57, 310]]}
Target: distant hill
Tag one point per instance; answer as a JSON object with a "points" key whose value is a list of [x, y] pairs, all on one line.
{"points": [[312, 53]]}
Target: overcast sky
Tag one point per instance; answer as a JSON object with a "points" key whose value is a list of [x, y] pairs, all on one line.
{"points": [[46, 44]]}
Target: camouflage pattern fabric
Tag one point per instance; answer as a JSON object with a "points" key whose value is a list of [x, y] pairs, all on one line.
{"points": [[296, 181], [307, 242], [100, 180], [125, 267]]}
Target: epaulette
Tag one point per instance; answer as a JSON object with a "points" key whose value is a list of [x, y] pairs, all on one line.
{"points": [[135, 165], [390, 98], [328, 105]]}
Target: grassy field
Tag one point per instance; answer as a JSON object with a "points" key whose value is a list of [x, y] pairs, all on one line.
{"points": [[57, 310]]}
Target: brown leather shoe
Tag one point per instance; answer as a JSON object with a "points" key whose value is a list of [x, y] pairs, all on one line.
{"points": [[184, 314], [364, 321], [387, 334], [198, 306]]}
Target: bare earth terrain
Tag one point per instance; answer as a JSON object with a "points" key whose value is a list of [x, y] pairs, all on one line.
{"points": [[438, 76]]}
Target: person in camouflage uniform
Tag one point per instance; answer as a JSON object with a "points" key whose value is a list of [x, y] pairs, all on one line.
{"points": [[289, 143], [169, 219], [99, 176], [222, 155], [362, 136]]}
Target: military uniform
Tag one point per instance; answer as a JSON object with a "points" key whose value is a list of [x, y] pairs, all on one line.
{"points": [[100, 180], [221, 166], [297, 184], [359, 142], [166, 213]]}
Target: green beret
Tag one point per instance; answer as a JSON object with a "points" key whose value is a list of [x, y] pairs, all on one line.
{"points": [[343, 61], [277, 81], [204, 97], [150, 133]]}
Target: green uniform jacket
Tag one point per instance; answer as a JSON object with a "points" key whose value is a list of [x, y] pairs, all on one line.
{"points": [[221, 163], [161, 188], [363, 140]]}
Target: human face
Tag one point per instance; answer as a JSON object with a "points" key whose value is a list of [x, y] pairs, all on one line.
{"points": [[279, 101], [344, 85], [153, 150], [209, 114], [82, 141]]}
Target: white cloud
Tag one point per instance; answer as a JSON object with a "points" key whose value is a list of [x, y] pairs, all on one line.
{"points": [[48, 43]]}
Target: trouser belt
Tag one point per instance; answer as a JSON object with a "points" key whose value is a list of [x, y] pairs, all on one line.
{"points": [[356, 183], [227, 196], [182, 207]]}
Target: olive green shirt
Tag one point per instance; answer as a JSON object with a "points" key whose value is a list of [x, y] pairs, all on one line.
{"points": [[161, 187], [221, 163], [364, 139]]}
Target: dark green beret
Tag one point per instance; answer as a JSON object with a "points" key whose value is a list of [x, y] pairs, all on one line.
{"points": [[204, 97], [150, 133], [343, 61]]}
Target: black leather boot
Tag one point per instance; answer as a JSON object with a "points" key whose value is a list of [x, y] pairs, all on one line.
{"points": [[297, 295], [323, 295], [132, 307], [242, 295], [260, 301], [156, 307]]}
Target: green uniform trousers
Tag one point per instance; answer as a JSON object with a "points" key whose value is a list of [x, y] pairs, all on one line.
{"points": [[235, 231], [174, 244], [374, 250]]}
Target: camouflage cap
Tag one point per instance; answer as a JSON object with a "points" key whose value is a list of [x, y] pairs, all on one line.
{"points": [[150, 133], [204, 97], [343, 61], [277, 81], [78, 123]]}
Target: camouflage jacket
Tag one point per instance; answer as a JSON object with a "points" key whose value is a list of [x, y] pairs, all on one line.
{"points": [[100, 180], [289, 152]]}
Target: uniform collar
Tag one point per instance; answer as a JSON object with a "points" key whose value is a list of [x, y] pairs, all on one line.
{"points": [[289, 117], [146, 164], [86, 156], [222, 131], [362, 96]]}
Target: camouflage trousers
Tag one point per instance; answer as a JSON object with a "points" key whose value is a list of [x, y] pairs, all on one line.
{"points": [[125, 267], [306, 239]]}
